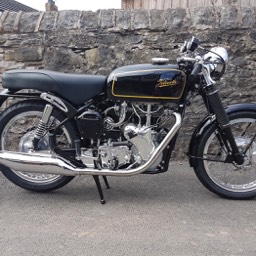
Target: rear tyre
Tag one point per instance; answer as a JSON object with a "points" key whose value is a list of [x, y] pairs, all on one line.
{"points": [[18, 124], [229, 180]]}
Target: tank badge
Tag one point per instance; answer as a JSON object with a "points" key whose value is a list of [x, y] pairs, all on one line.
{"points": [[166, 82]]}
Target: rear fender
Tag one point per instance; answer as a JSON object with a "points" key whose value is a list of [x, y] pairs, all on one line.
{"points": [[4, 95], [208, 121], [68, 109]]}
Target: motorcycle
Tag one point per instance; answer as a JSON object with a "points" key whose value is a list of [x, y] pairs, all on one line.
{"points": [[126, 124]]}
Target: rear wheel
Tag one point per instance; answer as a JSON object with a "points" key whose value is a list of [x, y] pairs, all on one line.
{"points": [[18, 124], [229, 179]]}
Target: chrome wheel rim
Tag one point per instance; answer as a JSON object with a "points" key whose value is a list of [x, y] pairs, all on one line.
{"points": [[230, 176], [18, 135]]}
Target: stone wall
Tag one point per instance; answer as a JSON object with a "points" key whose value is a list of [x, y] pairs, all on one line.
{"points": [[97, 42]]}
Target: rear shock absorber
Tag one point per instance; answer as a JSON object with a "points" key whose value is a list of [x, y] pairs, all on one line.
{"points": [[43, 125]]}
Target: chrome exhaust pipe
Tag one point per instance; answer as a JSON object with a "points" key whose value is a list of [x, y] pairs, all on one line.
{"points": [[36, 163]]}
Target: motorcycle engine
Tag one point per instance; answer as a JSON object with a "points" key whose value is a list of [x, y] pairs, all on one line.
{"points": [[130, 135], [142, 139]]}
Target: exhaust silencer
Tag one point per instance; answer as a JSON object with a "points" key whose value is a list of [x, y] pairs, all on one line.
{"points": [[53, 164]]}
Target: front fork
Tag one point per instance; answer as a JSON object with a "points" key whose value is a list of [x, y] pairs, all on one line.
{"points": [[222, 118]]}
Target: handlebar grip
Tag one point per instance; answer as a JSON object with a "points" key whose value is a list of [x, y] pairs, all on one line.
{"points": [[196, 70]]}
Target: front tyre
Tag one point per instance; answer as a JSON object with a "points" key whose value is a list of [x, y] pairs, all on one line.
{"points": [[18, 124], [229, 180]]}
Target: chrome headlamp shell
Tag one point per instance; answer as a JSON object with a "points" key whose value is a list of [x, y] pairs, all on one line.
{"points": [[218, 58]]}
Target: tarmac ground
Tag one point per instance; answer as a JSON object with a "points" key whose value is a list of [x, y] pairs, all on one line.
{"points": [[166, 214]]}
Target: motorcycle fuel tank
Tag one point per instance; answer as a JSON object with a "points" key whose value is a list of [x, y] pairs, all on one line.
{"points": [[147, 82]]}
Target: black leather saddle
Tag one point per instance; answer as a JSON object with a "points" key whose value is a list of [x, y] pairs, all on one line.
{"points": [[75, 88]]}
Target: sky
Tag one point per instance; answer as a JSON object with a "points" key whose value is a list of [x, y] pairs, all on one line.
{"points": [[92, 5]]}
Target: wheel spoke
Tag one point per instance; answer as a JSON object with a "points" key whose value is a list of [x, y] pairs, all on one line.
{"points": [[19, 135], [229, 176]]}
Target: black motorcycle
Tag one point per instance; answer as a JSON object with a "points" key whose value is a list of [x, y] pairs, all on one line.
{"points": [[65, 125]]}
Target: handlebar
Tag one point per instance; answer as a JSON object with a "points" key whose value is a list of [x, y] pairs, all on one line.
{"points": [[187, 59], [210, 63], [196, 70]]}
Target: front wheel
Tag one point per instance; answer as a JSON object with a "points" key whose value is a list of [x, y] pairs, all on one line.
{"points": [[18, 124], [229, 180]]}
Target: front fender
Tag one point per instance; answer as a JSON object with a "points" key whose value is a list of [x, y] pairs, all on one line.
{"points": [[241, 107], [208, 120]]}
